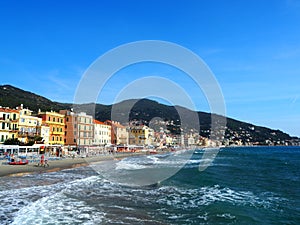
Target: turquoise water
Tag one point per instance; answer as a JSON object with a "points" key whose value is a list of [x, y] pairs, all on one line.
{"points": [[258, 185]]}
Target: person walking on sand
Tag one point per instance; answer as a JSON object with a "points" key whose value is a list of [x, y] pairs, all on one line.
{"points": [[43, 162], [42, 159]]}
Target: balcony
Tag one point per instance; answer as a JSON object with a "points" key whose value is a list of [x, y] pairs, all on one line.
{"points": [[57, 133], [54, 122], [27, 134]]}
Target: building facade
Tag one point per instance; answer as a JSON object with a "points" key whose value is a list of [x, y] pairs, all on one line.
{"points": [[141, 135], [85, 129], [102, 133], [45, 133], [70, 128], [119, 133], [9, 119], [79, 128], [29, 126], [56, 123]]}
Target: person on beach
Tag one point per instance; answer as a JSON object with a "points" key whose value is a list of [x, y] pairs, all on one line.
{"points": [[12, 157], [42, 159]]}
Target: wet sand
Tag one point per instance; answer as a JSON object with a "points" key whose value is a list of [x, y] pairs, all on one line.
{"points": [[56, 165]]}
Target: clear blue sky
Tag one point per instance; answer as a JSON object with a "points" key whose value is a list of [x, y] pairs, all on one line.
{"points": [[252, 47]]}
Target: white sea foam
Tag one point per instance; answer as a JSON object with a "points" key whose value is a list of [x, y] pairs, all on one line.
{"points": [[193, 198], [68, 203], [123, 165], [57, 209], [226, 216]]}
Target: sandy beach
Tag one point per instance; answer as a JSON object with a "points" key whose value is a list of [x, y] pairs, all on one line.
{"points": [[56, 165]]}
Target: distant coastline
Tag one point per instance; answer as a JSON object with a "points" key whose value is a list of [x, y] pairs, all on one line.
{"points": [[236, 132]]}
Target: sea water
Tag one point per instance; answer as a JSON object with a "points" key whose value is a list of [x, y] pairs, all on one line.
{"points": [[255, 185]]}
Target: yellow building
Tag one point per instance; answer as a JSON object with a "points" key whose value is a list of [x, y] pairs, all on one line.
{"points": [[29, 126], [141, 135], [56, 123], [9, 119]]}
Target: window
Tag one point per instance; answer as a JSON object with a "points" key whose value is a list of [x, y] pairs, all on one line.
{"points": [[49, 118], [14, 116], [53, 119], [67, 119]]}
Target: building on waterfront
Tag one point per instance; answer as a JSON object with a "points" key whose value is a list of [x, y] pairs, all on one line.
{"points": [[141, 135], [71, 125], [45, 133], [29, 126], [119, 133], [79, 128], [102, 133], [9, 119], [56, 123], [85, 129]]}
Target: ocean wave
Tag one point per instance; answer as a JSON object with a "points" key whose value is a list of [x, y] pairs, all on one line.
{"points": [[58, 209], [193, 198]]}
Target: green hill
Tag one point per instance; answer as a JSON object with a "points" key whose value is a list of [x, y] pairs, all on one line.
{"points": [[143, 111]]}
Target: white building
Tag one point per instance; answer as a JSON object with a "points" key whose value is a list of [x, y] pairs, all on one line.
{"points": [[29, 126], [102, 133], [45, 133]]}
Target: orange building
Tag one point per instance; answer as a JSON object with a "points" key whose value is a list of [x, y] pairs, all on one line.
{"points": [[56, 123], [78, 128], [70, 127]]}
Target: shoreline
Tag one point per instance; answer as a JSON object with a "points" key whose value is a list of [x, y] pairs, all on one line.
{"points": [[57, 165]]}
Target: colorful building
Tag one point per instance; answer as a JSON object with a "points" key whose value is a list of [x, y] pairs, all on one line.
{"points": [[56, 123], [141, 135], [119, 133], [29, 126], [9, 119], [79, 128], [71, 132]]}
